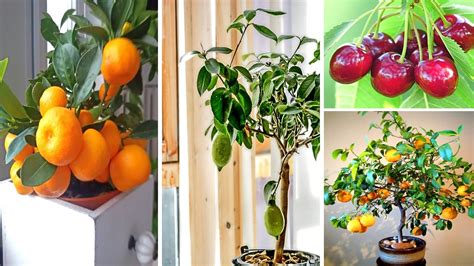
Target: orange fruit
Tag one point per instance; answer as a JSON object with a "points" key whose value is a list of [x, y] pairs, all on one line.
{"points": [[52, 97], [367, 220], [104, 176], [363, 200], [20, 188], [420, 143], [449, 213], [131, 167], [420, 217], [466, 203], [444, 192], [127, 27], [363, 229], [111, 134], [25, 152], [417, 231], [113, 90], [403, 199], [86, 118], [392, 156], [462, 190], [58, 136], [391, 180], [93, 158], [383, 193], [354, 226], [436, 217], [372, 195], [56, 185], [132, 141], [344, 196], [405, 185], [120, 61]]}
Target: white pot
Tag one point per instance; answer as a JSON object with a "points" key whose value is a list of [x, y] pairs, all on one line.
{"points": [[38, 231]]}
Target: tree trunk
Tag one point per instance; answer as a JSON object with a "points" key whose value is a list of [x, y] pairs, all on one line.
{"points": [[402, 221], [284, 187]]}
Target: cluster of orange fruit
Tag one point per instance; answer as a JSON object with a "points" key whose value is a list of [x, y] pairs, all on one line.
{"points": [[360, 224], [96, 155]]}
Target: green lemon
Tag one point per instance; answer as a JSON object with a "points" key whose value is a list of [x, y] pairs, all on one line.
{"points": [[274, 221], [221, 150]]}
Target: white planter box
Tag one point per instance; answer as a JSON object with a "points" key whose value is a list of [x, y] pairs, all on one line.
{"points": [[38, 231]]}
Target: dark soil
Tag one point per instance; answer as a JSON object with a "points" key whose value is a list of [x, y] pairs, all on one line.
{"points": [[79, 189], [263, 258]]}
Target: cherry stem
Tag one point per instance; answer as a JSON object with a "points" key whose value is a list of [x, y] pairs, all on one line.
{"points": [[405, 39], [368, 20], [377, 24], [419, 19], [441, 13], [428, 33], [379, 20], [417, 35]]}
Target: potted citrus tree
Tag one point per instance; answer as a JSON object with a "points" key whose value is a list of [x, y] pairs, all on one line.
{"points": [[415, 174], [270, 97], [81, 134]]}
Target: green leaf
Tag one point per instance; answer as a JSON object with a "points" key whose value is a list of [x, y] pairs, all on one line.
{"points": [[291, 110], [332, 36], [188, 56], [435, 183], [66, 16], [121, 12], [136, 84], [305, 40], [460, 128], [244, 73], [32, 112], [285, 37], [470, 212], [36, 170], [221, 105], [18, 143], [448, 133], [463, 63], [65, 59], [212, 66], [37, 92], [99, 13], [461, 98], [266, 32], [268, 190], [140, 30], [271, 12], [369, 178], [245, 101], [203, 80], [437, 209], [29, 97], [237, 117], [146, 130], [10, 102], [80, 21], [106, 6], [87, 70], [249, 14], [267, 90], [236, 25], [98, 33], [306, 87], [458, 9], [3, 67], [446, 152], [49, 29], [222, 50]]}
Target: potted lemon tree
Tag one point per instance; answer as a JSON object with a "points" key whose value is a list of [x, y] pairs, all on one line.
{"points": [[81, 135], [270, 97], [415, 174]]}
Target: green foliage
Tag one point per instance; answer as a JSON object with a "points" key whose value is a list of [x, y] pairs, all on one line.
{"points": [[430, 170]]}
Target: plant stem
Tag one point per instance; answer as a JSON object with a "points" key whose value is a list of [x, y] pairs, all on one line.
{"points": [[402, 221], [405, 39], [380, 19], [367, 22], [417, 35], [441, 13], [284, 188], [428, 23], [238, 44], [375, 26]]}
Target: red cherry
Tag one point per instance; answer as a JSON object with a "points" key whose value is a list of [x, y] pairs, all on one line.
{"points": [[412, 44], [390, 77], [438, 77], [380, 44], [350, 63], [461, 30], [437, 52]]}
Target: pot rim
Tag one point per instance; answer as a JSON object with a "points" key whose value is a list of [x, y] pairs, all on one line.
{"points": [[312, 258], [420, 245]]}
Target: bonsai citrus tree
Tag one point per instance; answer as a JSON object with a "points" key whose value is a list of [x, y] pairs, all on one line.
{"points": [[69, 130], [270, 97], [420, 177]]}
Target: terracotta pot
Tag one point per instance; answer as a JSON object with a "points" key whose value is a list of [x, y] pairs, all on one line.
{"points": [[92, 203], [412, 257], [313, 260]]}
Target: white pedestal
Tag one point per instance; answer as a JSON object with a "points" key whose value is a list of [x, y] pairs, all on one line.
{"points": [[38, 231]]}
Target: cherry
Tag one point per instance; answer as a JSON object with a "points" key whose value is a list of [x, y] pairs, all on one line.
{"points": [[390, 77], [412, 44], [437, 77], [438, 51], [379, 44], [350, 63], [460, 30]]}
